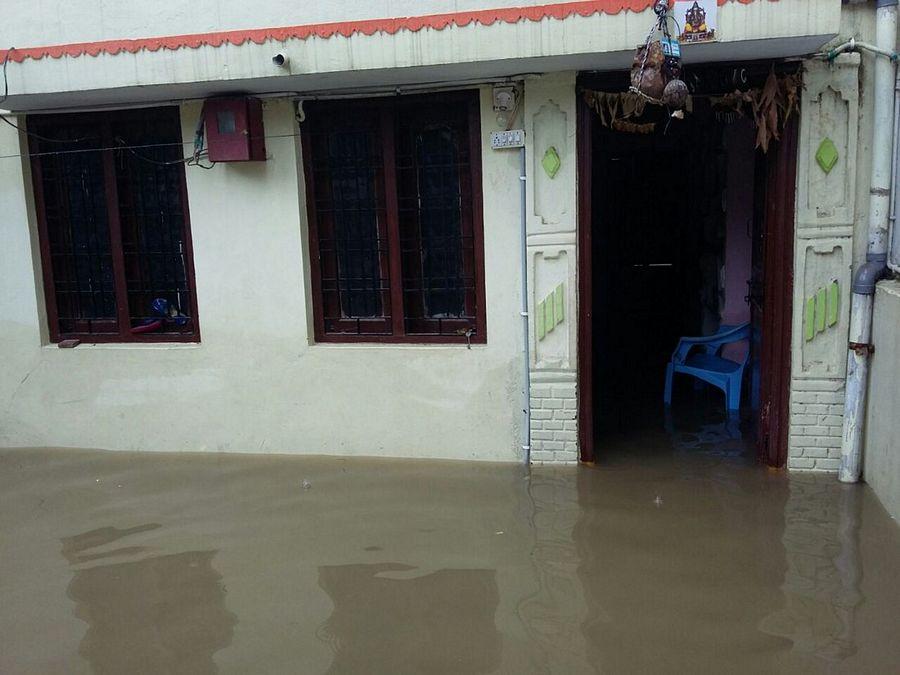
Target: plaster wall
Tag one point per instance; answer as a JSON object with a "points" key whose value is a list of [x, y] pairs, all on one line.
{"points": [[881, 457], [739, 141], [256, 383], [881, 452], [74, 21]]}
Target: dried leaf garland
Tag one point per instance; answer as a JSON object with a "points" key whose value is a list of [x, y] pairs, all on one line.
{"points": [[771, 106], [613, 106], [633, 128]]}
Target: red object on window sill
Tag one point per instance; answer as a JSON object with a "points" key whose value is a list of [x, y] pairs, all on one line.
{"points": [[147, 327], [234, 130]]}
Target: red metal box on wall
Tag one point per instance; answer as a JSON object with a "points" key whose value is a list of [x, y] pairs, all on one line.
{"points": [[234, 130]]}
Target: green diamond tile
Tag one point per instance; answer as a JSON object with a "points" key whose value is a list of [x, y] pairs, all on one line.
{"points": [[551, 162], [827, 155]]}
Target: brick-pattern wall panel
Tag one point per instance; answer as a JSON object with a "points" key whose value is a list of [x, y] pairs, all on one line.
{"points": [[817, 419], [554, 429]]}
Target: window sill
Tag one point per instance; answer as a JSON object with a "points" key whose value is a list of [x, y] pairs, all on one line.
{"points": [[104, 346], [424, 346]]}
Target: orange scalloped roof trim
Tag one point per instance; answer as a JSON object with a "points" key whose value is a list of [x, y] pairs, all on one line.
{"points": [[484, 17]]}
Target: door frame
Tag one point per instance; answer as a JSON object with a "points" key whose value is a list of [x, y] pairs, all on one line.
{"points": [[778, 296], [778, 305], [585, 369]]}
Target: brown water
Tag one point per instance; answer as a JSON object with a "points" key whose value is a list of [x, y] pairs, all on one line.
{"points": [[677, 557]]}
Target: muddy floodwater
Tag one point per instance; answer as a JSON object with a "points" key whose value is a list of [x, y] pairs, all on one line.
{"points": [[678, 558]]}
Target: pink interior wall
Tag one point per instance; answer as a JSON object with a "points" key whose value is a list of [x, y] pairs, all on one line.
{"points": [[739, 143]]}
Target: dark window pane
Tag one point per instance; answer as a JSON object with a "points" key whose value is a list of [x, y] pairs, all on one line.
{"points": [[439, 216], [434, 197], [74, 209], [355, 224], [152, 218], [348, 178]]}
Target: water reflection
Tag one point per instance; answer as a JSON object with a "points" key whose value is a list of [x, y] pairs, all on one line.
{"points": [[157, 614], [821, 583], [391, 618], [679, 541], [726, 559], [553, 613]]}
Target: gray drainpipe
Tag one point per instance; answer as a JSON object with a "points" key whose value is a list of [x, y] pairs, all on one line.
{"points": [[884, 142]]}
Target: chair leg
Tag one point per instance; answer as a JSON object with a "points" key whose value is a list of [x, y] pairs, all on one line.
{"points": [[667, 394], [734, 394]]}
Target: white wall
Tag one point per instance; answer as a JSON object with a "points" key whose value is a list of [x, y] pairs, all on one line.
{"points": [[255, 383], [49, 22], [65, 21], [881, 459]]}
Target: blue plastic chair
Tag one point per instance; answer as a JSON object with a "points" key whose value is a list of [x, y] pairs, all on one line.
{"points": [[699, 357]]}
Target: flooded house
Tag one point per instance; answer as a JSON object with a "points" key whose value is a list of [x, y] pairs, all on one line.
{"points": [[460, 230], [264, 268]]}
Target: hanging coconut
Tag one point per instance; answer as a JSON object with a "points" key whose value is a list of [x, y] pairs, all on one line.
{"points": [[675, 94], [647, 75]]}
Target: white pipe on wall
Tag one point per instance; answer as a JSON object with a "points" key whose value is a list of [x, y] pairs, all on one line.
{"points": [[876, 252], [526, 403]]}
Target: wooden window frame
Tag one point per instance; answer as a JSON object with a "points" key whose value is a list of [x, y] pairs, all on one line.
{"points": [[398, 335], [103, 121]]}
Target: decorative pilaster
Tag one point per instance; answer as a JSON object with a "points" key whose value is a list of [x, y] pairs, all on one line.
{"points": [[552, 267], [823, 254]]}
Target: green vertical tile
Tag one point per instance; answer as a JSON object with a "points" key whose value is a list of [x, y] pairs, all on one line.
{"points": [[559, 302], [820, 310], [539, 321], [833, 303], [809, 322], [548, 313]]}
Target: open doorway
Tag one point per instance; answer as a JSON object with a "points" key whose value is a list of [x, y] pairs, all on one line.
{"points": [[686, 230]]}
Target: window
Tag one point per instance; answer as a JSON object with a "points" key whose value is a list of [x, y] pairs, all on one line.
{"points": [[114, 231], [394, 197]]}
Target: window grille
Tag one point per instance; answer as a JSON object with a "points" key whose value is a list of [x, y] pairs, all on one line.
{"points": [[395, 218], [112, 213]]}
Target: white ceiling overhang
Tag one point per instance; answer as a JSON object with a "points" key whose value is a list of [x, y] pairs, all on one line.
{"points": [[410, 51]]}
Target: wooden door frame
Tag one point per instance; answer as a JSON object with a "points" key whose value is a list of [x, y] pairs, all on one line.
{"points": [[778, 295], [584, 142]]}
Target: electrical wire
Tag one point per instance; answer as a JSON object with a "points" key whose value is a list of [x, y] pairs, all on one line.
{"points": [[193, 160], [44, 138], [49, 153], [5, 119]]}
